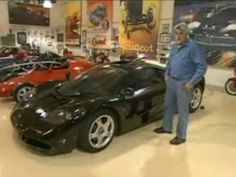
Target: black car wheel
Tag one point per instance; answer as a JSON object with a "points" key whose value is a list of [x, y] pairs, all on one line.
{"points": [[230, 87], [97, 131], [22, 93], [196, 99]]}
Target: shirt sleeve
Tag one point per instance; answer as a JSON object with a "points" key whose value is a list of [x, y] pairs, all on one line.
{"points": [[167, 72], [198, 57]]}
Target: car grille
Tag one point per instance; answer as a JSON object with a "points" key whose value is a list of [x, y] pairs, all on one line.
{"points": [[36, 143]]}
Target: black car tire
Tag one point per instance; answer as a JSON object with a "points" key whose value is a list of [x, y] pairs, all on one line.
{"points": [[20, 89], [229, 85], [89, 125], [196, 99]]}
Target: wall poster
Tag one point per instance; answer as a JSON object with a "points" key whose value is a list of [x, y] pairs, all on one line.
{"points": [[28, 14], [139, 26], [212, 25], [73, 23], [99, 23]]}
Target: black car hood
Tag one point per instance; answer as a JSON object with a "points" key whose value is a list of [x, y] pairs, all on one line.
{"points": [[42, 112], [52, 100]]}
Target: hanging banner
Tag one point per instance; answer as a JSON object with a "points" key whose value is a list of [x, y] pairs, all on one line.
{"points": [[99, 23], [212, 25], [139, 26], [73, 23]]}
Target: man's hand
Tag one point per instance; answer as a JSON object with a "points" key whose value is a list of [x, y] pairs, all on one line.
{"points": [[189, 87]]}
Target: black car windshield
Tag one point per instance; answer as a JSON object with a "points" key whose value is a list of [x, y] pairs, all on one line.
{"points": [[101, 79]]}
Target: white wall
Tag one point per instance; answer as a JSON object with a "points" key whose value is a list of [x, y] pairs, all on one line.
{"points": [[214, 76], [4, 22], [218, 77]]}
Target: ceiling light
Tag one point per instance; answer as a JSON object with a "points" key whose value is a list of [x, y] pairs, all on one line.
{"points": [[47, 4]]}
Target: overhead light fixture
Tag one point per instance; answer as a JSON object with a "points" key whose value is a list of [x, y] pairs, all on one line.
{"points": [[47, 4]]}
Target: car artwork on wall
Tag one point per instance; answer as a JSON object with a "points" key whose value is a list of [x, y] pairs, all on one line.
{"points": [[28, 14], [212, 25]]}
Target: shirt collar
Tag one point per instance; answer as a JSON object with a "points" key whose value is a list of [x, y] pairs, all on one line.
{"points": [[184, 44]]}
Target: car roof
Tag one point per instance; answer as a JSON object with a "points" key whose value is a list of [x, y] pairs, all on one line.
{"points": [[134, 65]]}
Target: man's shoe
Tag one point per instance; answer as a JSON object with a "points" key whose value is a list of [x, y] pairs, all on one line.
{"points": [[161, 130], [177, 141]]}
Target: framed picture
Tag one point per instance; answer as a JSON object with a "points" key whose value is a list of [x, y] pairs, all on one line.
{"points": [[60, 37], [165, 37], [165, 28], [49, 44], [9, 40], [21, 38], [28, 14]]}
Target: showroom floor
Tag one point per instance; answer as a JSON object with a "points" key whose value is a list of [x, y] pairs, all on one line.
{"points": [[210, 150]]}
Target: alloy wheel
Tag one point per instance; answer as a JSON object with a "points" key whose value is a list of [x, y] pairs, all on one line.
{"points": [[196, 99], [101, 131], [24, 93]]}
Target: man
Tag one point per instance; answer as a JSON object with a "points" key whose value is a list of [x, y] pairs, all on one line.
{"points": [[185, 68]]}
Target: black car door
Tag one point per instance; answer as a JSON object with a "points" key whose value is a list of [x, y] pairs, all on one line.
{"points": [[158, 94], [143, 92]]}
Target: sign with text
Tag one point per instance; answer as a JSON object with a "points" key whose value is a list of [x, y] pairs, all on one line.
{"points": [[99, 23], [139, 26]]}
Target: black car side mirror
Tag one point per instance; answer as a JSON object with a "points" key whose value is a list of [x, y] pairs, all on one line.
{"points": [[127, 91]]}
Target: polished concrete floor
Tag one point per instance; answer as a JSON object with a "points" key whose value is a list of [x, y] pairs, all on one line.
{"points": [[209, 152]]}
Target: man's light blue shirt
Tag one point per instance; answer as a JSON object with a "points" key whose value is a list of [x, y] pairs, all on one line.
{"points": [[186, 62]]}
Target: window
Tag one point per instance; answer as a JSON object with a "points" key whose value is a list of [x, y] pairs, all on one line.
{"points": [[141, 78]]}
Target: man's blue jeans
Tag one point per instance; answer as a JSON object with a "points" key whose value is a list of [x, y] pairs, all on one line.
{"points": [[177, 98]]}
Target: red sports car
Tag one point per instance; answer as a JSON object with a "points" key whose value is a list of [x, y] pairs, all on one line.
{"points": [[20, 86]]}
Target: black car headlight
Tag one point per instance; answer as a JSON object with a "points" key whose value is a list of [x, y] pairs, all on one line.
{"points": [[62, 116], [58, 117]]}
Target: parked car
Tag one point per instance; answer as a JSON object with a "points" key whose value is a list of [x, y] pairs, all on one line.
{"points": [[87, 112], [19, 81], [15, 70]]}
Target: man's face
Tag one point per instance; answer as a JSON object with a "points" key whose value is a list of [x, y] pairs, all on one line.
{"points": [[180, 36]]}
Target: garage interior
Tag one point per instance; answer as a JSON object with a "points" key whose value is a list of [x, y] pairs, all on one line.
{"points": [[210, 149]]}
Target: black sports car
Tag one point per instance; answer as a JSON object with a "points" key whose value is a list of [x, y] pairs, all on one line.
{"points": [[89, 111]]}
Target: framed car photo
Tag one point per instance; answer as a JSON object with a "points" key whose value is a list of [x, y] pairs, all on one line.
{"points": [[165, 28], [21, 38], [165, 37]]}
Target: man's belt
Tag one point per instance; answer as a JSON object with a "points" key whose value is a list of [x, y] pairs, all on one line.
{"points": [[177, 79]]}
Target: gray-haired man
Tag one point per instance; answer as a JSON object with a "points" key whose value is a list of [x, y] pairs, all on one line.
{"points": [[185, 68]]}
